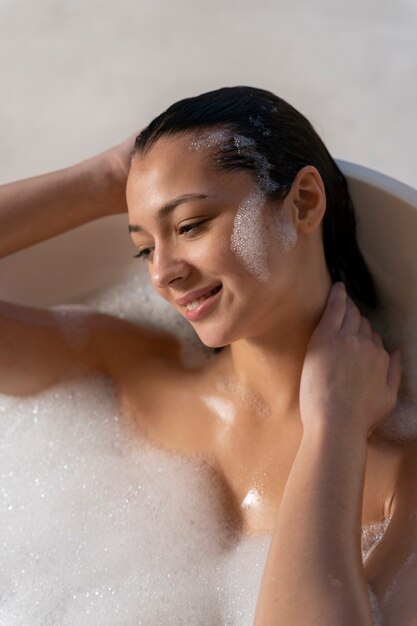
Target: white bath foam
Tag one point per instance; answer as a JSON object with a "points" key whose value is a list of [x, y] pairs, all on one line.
{"points": [[218, 138], [222, 140], [98, 526], [262, 165], [249, 239], [241, 580]]}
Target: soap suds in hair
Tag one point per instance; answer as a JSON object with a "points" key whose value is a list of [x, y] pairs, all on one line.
{"points": [[213, 139]]}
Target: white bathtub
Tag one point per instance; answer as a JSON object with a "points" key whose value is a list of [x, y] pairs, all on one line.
{"points": [[75, 552]]}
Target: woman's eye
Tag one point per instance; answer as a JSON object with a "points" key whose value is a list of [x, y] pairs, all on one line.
{"points": [[143, 254], [187, 228]]}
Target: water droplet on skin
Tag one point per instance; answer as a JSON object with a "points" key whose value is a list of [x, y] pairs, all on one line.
{"points": [[252, 499], [223, 408]]}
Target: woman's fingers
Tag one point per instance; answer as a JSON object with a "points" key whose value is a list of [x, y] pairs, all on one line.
{"points": [[394, 372], [335, 310], [365, 328], [377, 339], [352, 320]]}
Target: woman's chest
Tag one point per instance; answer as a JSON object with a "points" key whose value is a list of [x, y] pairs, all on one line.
{"points": [[250, 455]]}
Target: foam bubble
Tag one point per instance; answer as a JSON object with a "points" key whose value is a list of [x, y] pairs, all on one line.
{"points": [[222, 140], [262, 165], [100, 526], [213, 139], [372, 535], [248, 239]]}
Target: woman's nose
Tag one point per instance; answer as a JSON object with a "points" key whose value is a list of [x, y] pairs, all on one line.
{"points": [[167, 268]]}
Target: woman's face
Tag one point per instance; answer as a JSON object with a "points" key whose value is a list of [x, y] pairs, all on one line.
{"points": [[216, 250]]}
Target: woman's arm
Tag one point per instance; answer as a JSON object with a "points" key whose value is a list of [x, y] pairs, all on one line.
{"points": [[37, 347], [314, 574], [41, 207]]}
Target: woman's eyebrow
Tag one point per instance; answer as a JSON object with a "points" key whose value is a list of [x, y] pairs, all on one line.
{"points": [[166, 209]]}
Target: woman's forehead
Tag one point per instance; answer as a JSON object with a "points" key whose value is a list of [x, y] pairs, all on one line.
{"points": [[170, 156], [157, 179], [179, 161]]}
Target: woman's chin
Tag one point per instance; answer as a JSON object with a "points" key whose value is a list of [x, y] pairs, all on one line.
{"points": [[213, 343], [214, 338]]}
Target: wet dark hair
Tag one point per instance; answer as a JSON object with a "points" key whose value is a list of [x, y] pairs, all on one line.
{"points": [[286, 141]]}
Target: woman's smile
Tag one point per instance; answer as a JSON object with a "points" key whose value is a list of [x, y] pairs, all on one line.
{"points": [[198, 307]]}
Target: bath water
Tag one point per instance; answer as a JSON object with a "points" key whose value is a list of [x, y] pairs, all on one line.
{"points": [[100, 526]]}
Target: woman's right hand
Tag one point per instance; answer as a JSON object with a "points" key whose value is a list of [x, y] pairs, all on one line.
{"points": [[349, 381]]}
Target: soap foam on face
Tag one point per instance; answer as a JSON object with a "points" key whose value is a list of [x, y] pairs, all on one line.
{"points": [[250, 239], [248, 236]]}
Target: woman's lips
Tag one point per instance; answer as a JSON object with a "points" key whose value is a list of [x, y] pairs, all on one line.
{"points": [[197, 308]]}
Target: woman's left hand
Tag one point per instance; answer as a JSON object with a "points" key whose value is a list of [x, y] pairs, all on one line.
{"points": [[105, 177], [348, 380]]}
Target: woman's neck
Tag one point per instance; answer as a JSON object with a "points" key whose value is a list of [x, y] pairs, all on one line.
{"points": [[270, 365]]}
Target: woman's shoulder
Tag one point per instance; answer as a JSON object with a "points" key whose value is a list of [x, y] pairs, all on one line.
{"points": [[123, 344]]}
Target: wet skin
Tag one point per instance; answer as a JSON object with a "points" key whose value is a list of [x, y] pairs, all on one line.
{"points": [[265, 326], [240, 411]]}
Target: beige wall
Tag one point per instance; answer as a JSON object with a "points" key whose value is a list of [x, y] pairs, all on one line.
{"points": [[79, 75]]}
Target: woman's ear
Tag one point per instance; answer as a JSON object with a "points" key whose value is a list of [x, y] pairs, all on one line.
{"points": [[308, 199]]}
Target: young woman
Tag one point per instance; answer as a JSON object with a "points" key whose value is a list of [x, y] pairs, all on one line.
{"points": [[247, 228]]}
